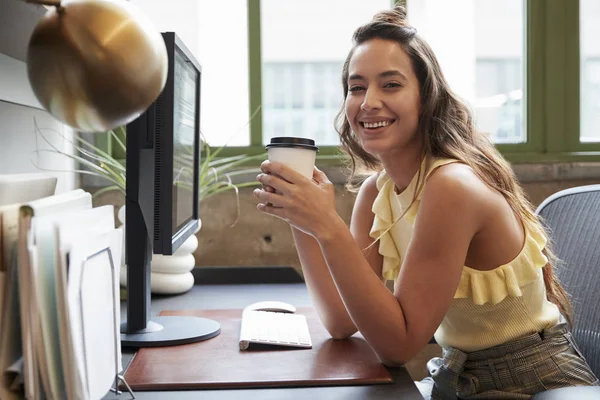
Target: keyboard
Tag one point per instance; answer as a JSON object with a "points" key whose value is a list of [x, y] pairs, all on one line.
{"points": [[274, 328]]}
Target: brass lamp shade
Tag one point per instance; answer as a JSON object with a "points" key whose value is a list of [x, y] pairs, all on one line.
{"points": [[96, 64]]}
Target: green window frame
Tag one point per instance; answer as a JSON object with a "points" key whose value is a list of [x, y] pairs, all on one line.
{"points": [[552, 87]]}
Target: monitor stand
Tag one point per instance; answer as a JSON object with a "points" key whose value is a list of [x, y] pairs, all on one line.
{"points": [[138, 330], [171, 331]]}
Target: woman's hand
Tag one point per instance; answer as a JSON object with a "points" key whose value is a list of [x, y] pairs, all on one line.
{"points": [[308, 205]]}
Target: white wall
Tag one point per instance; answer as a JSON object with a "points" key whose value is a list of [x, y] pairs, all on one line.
{"points": [[14, 84], [18, 141]]}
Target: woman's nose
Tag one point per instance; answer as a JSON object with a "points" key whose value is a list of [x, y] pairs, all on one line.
{"points": [[371, 101]]}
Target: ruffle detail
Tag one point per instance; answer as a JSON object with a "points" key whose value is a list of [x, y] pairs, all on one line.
{"points": [[481, 286], [507, 280], [382, 222]]}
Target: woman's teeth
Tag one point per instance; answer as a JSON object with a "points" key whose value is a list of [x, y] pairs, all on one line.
{"points": [[372, 125]]}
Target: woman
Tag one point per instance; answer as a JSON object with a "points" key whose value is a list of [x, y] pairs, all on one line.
{"points": [[444, 217]]}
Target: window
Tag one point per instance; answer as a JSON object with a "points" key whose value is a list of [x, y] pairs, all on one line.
{"points": [[479, 44], [296, 79], [319, 79], [304, 44], [533, 85], [278, 89], [498, 89], [302, 90], [221, 46], [590, 70]]}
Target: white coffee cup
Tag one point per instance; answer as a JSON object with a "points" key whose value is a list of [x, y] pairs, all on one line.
{"points": [[297, 153]]}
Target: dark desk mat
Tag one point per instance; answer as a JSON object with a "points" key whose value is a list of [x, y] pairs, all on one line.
{"points": [[218, 363]]}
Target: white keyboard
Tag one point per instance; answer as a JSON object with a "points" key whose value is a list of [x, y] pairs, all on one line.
{"points": [[281, 329]]}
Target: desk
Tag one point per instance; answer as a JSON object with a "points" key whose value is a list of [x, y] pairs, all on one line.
{"points": [[215, 296]]}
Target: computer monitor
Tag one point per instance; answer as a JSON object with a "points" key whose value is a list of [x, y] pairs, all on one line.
{"points": [[162, 168], [176, 164]]}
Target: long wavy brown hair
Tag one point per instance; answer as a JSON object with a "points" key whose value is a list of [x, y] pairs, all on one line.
{"points": [[447, 126]]}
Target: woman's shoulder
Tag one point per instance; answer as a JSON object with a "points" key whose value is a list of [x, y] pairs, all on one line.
{"points": [[443, 166], [454, 175], [450, 171], [456, 182], [369, 188], [369, 184]]}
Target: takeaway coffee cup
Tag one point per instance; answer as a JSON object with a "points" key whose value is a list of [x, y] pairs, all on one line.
{"points": [[297, 153]]}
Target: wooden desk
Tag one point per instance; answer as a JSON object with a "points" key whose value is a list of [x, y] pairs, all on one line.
{"points": [[231, 296]]}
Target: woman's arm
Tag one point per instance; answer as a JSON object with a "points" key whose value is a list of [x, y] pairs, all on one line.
{"points": [[322, 288], [395, 325], [398, 325]]}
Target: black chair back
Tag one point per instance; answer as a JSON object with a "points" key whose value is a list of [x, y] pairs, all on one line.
{"points": [[573, 216]]}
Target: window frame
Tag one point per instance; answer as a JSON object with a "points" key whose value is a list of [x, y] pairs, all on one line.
{"points": [[551, 81]]}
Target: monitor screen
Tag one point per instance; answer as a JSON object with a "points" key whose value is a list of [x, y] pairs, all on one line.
{"points": [[186, 79], [176, 123]]}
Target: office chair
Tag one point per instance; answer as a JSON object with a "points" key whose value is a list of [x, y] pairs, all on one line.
{"points": [[573, 217]]}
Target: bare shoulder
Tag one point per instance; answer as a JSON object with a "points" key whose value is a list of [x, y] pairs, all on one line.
{"points": [[459, 185], [456, 179], [362, 213], [368, 189]]}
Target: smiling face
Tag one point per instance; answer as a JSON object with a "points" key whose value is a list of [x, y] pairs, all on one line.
{"points": [[383, 100]]}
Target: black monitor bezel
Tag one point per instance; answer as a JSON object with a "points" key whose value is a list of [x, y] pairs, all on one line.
{"points": [[167, 239], [144, 214]]}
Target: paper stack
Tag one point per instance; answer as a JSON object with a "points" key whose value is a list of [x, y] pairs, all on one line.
{"points": [[59, 318]]}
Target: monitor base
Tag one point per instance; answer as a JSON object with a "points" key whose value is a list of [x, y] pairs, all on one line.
{"points": [[171, 331]]}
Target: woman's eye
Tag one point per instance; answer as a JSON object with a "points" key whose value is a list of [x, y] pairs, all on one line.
{"points": [[392, 85], [355, 88]]}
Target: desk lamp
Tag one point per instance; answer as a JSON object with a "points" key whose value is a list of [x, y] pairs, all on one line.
{"points": [[96, 65]]}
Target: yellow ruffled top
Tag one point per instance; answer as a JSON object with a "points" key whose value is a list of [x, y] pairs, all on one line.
{"points": [[489, 307]]}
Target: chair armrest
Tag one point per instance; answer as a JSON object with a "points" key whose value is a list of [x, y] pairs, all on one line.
{"points": [[569, 393]]}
